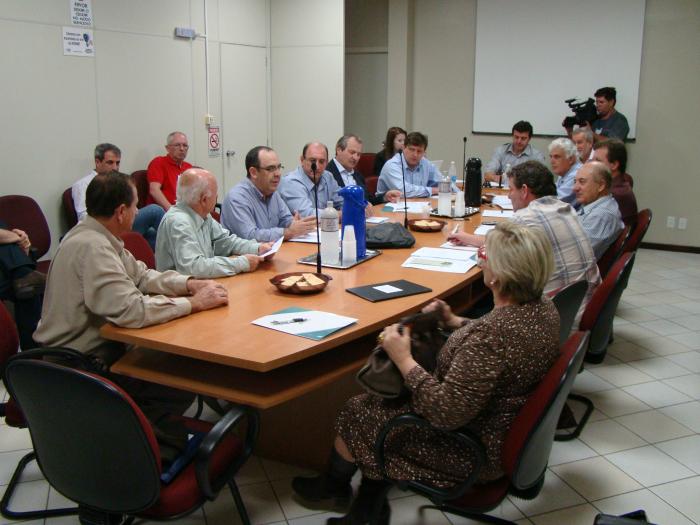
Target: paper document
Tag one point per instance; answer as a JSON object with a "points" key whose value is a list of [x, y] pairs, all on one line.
{"points": [[309, 237], [376, 220], [503, 214], [502, 202], [448, 245], [311, 324], [441, 260], [413, 207], [274, 249], [484, 229]]}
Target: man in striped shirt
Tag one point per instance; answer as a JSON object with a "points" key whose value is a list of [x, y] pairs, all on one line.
{"points": [[599, 213]]}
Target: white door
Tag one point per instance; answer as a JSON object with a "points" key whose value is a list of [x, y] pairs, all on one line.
{"points": [[243, 105]]}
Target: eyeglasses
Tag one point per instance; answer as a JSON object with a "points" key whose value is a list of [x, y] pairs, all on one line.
{"points": [[481, 256], [272, 169]]}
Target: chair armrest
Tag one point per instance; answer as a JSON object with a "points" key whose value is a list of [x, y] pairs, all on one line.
{"points": [[229, 421], [466, 438]]}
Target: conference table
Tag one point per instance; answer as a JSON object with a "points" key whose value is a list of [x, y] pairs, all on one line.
{"points": [[297, 384]]}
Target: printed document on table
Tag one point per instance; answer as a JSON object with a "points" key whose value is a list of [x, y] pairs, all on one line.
{"points": [[441, 260], [503, 214], [413, 207], [309, 237], [311, 324], [448, 245], [484, 229], [502, 202]]}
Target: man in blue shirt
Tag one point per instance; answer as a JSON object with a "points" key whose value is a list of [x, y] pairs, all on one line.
{"points": [[254, 209], [421, 175], [297, 187], [563, 156]]}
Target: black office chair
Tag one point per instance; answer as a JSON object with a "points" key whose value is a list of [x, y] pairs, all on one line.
{"points": [[525, 451], [95, 446], [568, 301]]}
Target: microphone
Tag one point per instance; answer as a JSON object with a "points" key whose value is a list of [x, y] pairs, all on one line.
{"points": [[405, 203], [318, 235], [464, 165]]}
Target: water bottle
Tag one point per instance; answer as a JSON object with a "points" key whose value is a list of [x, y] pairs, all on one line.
{"points": [[330, 245], [349, 245], [445, 197], [504, 176]]}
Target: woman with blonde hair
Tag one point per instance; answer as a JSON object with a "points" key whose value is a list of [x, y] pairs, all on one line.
{"points": [[485, 372]]}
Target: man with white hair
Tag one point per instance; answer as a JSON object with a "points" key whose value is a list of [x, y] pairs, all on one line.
{"points": [[191, 242], [564, 160], [599, 214], [582, 138]]}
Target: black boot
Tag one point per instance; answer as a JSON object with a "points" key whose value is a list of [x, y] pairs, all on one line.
{"points": [[334, 483], [370, 506]]}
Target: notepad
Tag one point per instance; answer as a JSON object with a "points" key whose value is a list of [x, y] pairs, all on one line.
{"points": [[388, 290], [311, 324]]}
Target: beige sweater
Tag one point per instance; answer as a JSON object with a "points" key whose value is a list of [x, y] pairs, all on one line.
{"points": [[93, 280]]}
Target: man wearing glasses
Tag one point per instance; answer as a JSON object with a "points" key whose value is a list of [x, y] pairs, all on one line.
{"points": [[297, 187], [253, 209], [164, 171]]}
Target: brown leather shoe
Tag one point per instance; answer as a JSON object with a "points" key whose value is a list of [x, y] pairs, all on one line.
{"points": [[29, 286]]}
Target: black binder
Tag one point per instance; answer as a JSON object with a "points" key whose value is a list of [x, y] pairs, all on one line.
{"points": [[371, 293]]}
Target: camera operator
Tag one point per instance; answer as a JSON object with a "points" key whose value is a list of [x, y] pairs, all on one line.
{"points": [[610, 122]]}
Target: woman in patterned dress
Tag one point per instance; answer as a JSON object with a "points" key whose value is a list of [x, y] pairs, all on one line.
{"points": [[485, 372]]}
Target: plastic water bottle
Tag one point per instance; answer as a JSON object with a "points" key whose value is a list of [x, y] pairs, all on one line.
{"points": [[330, 242], [452, 173], [349, 245], [504, 176], [445, 197]]}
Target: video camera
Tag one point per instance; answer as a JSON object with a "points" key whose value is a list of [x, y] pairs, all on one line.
{"points": [[584, 113]]}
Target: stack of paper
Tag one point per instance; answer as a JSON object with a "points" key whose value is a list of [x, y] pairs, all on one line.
{"points": [[484, 229], [441, 260], [413, 207], [309, 237], [502, 202], [311, 324], [448, 245], [501, 214]]}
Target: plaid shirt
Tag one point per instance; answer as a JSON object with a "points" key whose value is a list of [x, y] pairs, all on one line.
{"points": [[602, 222], [573, 255]]}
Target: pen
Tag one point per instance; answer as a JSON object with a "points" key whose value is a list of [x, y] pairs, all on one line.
{"points": [[455, 229], [290, 321]]}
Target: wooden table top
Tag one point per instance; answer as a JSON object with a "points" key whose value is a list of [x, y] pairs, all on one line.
{"points": [[225, 335]]}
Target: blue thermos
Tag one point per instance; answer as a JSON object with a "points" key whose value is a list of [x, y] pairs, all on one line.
{"points": [[354, 213]]}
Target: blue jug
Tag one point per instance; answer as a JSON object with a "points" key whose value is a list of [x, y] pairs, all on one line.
{"points": [[354, 213]]}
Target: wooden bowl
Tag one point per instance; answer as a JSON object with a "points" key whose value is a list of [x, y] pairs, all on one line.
{"points": [[426, 225], [285, 282]]}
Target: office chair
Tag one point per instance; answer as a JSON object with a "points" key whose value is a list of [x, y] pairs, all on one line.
{"points": [[639, 231], [20, 211], [568, 300], [613, 252], [525, 451], [68, 206], [366, 165], [95, 446], [139, 248], [140, 180]]}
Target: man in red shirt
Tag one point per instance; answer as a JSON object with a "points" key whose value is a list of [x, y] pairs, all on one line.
{"points": [[613, 154], [164, 171]]}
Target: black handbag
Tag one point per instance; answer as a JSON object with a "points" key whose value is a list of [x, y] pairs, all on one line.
{"points": [[380, 376], [389, 235]]}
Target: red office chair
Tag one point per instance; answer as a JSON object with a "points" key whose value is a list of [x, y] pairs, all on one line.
{"points": [[613, 252], [371, 183], [142, 189], [9, 346], [103, 453], [598, 319], [139, 248], [525, 450], [20, 211], [639, 231], [366, 165], [69, 212]]}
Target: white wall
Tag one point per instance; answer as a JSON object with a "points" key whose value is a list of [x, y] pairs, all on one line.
{"points": [[143, 83], [439, 79]]}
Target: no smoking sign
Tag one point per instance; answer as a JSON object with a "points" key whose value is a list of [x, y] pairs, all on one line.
{"points": [[214, 142]]}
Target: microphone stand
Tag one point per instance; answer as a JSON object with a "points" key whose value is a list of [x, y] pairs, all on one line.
{"points": [[405, 203], [318, 235]]}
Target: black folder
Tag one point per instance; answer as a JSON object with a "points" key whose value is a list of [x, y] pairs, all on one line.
{"points": [[371, 293]]}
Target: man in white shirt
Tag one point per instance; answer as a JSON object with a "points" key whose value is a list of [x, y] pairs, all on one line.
{"points": [[107, 159]]}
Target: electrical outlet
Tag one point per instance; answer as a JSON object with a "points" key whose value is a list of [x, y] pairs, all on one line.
{"points": [[208, 120], [670, 222], [682, 223]]}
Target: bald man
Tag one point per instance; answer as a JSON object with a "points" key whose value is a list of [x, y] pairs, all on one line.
{"points": [[599, 213], [191, 242]]}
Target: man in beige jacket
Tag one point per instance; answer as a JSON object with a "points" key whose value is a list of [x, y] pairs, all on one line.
{"points": [[93, 280]]}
